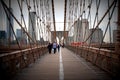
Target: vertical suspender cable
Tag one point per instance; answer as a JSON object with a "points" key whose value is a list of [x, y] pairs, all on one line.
{"points": [[65, 7], [53, 12]]}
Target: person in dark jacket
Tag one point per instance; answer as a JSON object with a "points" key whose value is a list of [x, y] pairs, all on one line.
{"points": [[58, 46], [49, 47]]}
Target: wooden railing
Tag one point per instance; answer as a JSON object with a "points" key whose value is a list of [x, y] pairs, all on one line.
{"points": [[11, 63], [107, 60]]}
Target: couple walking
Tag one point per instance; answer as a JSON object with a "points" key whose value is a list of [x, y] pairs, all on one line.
{"points": [[54, 46]]}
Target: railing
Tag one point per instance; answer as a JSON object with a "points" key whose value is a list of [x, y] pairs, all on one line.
{"points": [[11, 63], [107, 60]]}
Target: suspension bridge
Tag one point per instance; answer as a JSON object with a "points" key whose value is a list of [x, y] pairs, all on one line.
{"points": [[89, 39]]}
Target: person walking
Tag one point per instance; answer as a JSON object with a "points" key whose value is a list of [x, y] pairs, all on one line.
{"points": [[54, 47], [49, 47], [58, 46]]}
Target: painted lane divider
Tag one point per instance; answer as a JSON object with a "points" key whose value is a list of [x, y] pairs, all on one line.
{"points": [[61, 70]]}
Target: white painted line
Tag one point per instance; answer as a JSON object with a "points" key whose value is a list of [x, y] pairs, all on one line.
{"points": [[61, 70]]}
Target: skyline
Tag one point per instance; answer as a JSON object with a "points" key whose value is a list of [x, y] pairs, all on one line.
{"points": [[59, 15]]}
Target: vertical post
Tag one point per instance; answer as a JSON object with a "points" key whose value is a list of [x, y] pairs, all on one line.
{"points": [[21, 39], [9, 28], [117, 45], [54, 20], [65, 7]]}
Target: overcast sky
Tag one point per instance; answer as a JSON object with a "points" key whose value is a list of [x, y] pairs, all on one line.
{"points": [[59, 14]]}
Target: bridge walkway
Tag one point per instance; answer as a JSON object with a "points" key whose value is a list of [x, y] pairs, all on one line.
{"points": [[63, 65]]}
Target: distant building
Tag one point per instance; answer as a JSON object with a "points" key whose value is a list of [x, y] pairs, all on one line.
{"points": [[18, 33], [21, 36], [2, 37], [70, 39], [41, 40], [114, 36], [96, 36], [32, 26], [10, 36], [2, 34], [81, 30]]}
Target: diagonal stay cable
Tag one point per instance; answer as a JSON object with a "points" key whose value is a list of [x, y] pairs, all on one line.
{"points": [[30, 16], [16, 20], [24, 24], [100, 20], [5, 9], [110, 17]]}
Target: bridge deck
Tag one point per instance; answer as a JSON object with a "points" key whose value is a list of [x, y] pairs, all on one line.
{"points": [[62, 66]]}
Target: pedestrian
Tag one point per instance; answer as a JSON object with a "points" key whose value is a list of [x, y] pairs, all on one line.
{"points": [[63, 45], [54, 47], [49, 47], [58, 46]]}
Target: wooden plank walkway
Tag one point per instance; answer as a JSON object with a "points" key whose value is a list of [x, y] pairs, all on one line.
{"points": [[63, 65]]}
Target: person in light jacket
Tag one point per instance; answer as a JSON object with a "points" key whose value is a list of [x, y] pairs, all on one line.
{"points": [[54, 47]]}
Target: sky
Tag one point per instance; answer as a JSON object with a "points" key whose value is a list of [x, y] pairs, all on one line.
{"points": [[59, 15]]}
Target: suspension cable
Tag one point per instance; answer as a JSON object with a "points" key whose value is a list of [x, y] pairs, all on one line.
{"points": [[96, 19], [16, 19], [30, 18], [110, 17], [65, 9], [108, 24], [22, 16], [53, 12], [11, 26], [101, 20]]}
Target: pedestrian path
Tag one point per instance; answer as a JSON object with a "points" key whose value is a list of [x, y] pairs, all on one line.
{"points": [[63, 65]]}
